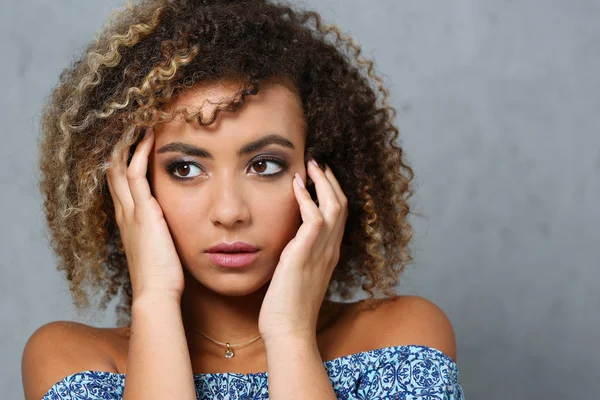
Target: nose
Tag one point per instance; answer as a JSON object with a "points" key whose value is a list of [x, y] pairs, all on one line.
{"points": [[228, 206]]}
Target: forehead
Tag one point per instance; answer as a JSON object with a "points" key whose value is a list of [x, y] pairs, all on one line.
{"points": [[276, 108]]}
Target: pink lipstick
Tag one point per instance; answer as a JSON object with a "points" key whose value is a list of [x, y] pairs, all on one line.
{"points": [[234, 255], [230, 260]]}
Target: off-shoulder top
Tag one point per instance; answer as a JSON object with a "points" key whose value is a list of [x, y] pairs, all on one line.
{"points": [[406, 372]]}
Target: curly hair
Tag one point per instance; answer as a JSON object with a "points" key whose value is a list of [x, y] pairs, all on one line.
{"points": [[150, 52]]}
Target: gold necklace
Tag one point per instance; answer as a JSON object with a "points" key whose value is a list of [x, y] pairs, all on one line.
{"points": [[228, 347]]}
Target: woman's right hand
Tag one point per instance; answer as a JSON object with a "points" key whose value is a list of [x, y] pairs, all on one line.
{"points": [[154, 266]]}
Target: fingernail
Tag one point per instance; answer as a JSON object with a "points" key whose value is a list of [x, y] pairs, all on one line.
{"points": [[312, 160], [299, 180], [149, 133]]}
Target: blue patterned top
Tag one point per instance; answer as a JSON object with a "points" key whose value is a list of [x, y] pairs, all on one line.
{"points": [[397, 372]]}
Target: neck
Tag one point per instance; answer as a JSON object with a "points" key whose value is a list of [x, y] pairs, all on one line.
{"points": [[228, 319]]}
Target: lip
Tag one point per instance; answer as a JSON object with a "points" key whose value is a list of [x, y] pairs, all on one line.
{"points": [[233, 260], [234, 247], [232, 255]]}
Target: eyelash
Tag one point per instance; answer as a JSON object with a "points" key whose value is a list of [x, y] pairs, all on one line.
{"points": [[172, 167]]}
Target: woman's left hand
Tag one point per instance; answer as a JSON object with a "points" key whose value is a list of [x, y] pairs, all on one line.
{"points": [[293, 300]]}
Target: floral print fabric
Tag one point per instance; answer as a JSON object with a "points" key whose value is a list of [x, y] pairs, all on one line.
{"points": [[398, 372]]}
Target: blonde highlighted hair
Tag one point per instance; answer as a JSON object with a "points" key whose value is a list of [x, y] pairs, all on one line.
{"points": [[150, 52]]}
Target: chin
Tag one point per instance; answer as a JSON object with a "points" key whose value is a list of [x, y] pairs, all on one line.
{"points": [[231, 282]]}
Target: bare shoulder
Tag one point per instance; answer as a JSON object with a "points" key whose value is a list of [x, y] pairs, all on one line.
{"points": [[59, 349], [410, 320]]}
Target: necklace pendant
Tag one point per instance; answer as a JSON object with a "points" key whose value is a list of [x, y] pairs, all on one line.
{"points": [[228, 351]]}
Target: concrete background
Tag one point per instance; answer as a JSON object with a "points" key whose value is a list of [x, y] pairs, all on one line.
{"points": [[499, 110]]}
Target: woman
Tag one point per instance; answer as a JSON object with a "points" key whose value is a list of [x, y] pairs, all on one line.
{"points": [[227, 168]]}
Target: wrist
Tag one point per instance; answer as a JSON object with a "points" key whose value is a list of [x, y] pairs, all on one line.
{"points": [[296, 340], [156, 298], [291, 351], [154, 286]]}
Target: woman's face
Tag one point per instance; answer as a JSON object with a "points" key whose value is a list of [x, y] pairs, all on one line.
{"points": [[226, 183]]}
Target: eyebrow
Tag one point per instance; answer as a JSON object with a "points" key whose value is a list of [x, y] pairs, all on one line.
{"points": [[190, 150]]}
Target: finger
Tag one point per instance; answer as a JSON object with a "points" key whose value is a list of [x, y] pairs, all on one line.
{"points": [[341, 229], [115, 200], [337, 232], [308, 208], [328, 201], [136, 173], [118, 180], [117, 204], [336, 186], [342, 199], [312, 219]]}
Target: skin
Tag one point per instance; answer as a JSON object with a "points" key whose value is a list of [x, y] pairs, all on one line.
{"points": [[166, 225], [229, 198]]}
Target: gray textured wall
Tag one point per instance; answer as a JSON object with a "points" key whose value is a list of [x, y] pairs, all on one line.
{"points": [[499, 108]]}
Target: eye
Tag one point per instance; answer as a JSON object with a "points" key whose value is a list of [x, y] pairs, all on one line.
{"points": [[184, 170], [267, 166]]}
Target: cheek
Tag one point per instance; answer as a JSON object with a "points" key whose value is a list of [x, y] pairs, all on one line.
{"points": [[289, 210], [274, 211], [278, 213], [184, 217], [180, 208]]}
